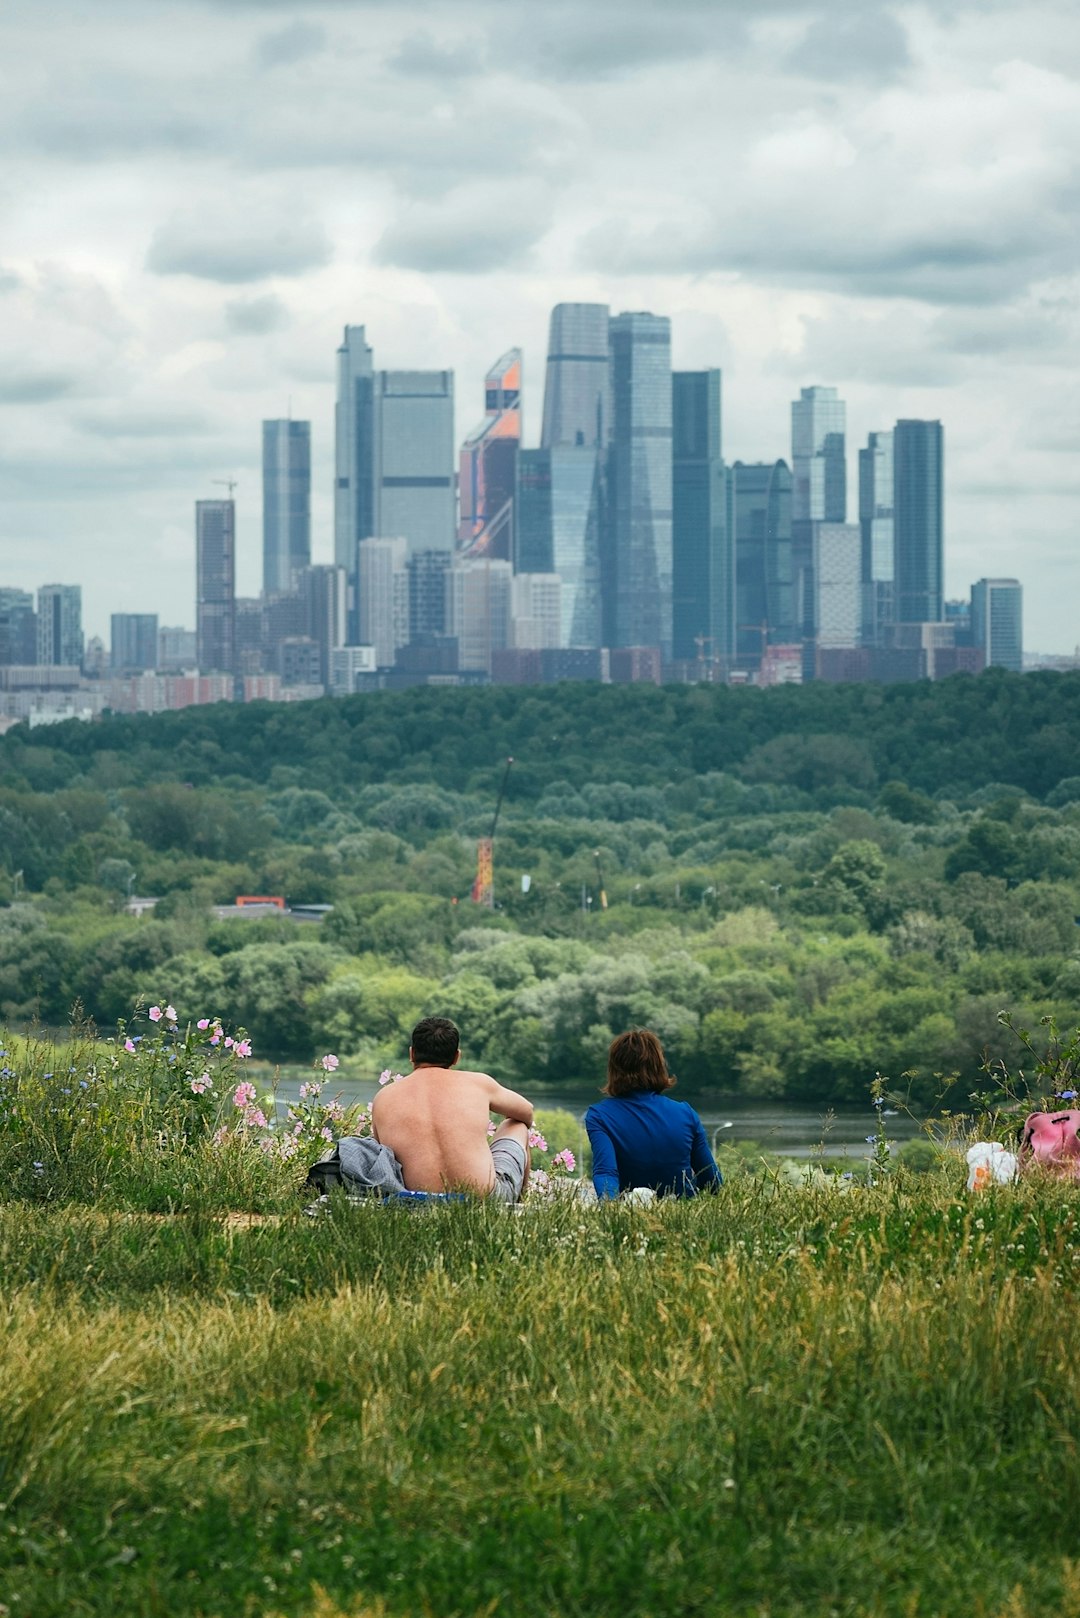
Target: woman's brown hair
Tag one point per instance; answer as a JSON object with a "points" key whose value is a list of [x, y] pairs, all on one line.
{"points": [[636, 1062]]}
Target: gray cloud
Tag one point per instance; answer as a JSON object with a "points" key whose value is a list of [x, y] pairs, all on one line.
{"points": [[35, 387], [867, 44], [9, 281], [294, 43], [421, 56], [474, 230], [255, 317], [145, 420], [233, 246]]}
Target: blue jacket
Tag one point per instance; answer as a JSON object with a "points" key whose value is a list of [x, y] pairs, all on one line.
{"points": [[649, 1139]]}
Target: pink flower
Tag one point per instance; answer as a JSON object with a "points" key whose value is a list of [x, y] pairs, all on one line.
{"points": [[129, 1045], [229, 1042], [221, 1136], [170, 1013], [330, 1063], [310, 1088], [203, 1022], [255, 1117], [155, 1013], [385, 1076], [327, 1134], [491, 1129], [242, 1047], [201, 1085], [244, 1094], [566, 1160], [215, 1038], [537, 1140]]}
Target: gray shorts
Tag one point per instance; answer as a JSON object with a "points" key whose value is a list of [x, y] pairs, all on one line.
{"points": [[509, 1159]]}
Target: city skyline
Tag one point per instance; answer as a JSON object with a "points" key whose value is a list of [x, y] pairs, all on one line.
{"points": [[196, 205]]}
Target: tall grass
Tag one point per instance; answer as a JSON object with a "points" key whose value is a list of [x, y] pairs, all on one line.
{"points": [[796, 1403]]}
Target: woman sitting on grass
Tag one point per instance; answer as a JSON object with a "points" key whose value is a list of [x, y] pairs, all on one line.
{"points": [[639, 1135]]}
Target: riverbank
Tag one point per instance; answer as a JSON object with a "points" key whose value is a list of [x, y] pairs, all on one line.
{"points": [[791, 1404]]}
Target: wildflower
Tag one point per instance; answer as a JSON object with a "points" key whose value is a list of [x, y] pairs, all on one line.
{"points": [[327, 1134], [330, 1063], [255, 1117], [221, 1136], [155, 1014], [242, 1047], [1066, 1095], [229, 1042], [871, 1140], [879, 1101], [215, 1037], [565, 1159], [129, 1046], [244, 1094], [385, 1076], [537, 1140], [203, 1023], [310, 1088], [170, 1013], [200, 1085]]}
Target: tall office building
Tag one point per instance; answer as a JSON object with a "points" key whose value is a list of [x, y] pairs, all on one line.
{"points": [[354, 450], [428, 593], [577, 387], [818, 462], [325, 593], [133, 641], [536, 611], [918, 521], [18, 627], [876, 530], [837, 585], [558, 512], [394, 449], [286, 472], [703, 552], [636, 562], [759, 521], [178, 648], [997, 622], [384, 597], [215, 587], [487, 465], [479, 611], [59, 625]]}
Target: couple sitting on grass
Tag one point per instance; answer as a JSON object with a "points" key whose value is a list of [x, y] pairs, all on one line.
{"points": [[435, 1123]]}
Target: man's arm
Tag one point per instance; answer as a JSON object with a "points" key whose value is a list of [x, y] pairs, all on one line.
{"points": [[508, 1104]]}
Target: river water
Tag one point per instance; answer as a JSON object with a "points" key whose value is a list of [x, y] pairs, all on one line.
{"points": [[786, 1128]]}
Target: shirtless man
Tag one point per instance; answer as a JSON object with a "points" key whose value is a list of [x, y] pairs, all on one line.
{"points": [[435, 1121]]}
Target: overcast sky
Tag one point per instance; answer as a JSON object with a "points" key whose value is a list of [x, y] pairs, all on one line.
{"points": [[196, 197]]}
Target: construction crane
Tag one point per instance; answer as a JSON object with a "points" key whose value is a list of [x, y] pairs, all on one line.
{"points": [[227, 483], [483, 889]]}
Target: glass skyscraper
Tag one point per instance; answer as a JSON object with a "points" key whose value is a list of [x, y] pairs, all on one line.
{"points": [[997, 622], [703, 551], [876, 531], [577, 387], [215, 588], [759, 520], [558, 510], [919, 520], [286, 472], [486, 476], [133, 641], [818, 464], [636, 559], [59, 625], [18, 627], [354, 449]]}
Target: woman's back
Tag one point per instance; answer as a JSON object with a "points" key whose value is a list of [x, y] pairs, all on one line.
{"points": [[646, 1138]]}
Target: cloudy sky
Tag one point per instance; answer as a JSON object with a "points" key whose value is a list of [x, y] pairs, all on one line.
{"points": [[197, 195]]}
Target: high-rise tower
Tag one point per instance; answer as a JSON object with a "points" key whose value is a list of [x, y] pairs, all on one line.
{"points": [[703, 551], [354, 449], [215, 588], [636, 561], [577, 387], [876, 531], [286, 471], [487, 465], [919, 520], [997, 622], [818, 464], [759, 520], [59, 625]]}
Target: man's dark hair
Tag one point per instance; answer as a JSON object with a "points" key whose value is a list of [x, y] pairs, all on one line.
{"points": [[435, 1040]]}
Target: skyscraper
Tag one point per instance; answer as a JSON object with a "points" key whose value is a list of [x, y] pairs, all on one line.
{"points": [[414, 457], [354, 449], [577, 387], [428, 591], [480, 611], [703, 551], [876, 530], [997, 622], [536, 610], [837, 586], [636, 562], [759, 520], [133, 641], [384, 597], [59, 625], [286, 470], [918, 520], [818, 464], [215, 588], [325, 595], [18, 627], [557, 520], [487, 465]]}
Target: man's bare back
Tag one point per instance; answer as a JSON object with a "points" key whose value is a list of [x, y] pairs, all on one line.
{"points": [[435, 1121]]}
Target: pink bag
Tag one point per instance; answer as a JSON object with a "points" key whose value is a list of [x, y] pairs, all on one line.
{"points": [[1051, 1140]]}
